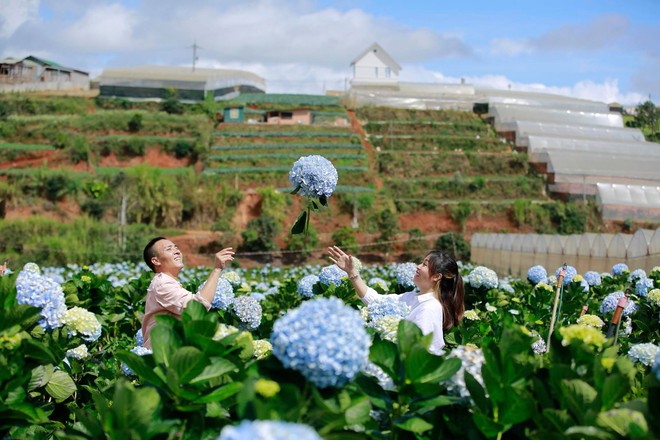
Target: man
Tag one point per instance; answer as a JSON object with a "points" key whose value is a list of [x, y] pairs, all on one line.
{"points": [[165, 295]]}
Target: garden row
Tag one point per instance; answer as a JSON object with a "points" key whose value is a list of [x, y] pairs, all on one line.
{"points": [[264, 156]]}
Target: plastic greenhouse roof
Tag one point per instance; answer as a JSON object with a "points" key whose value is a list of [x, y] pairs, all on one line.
{"points": [[512, 113], [175, 73], [541, 144], [524, 129], [633, 195], [622, 166], [549, 102]]}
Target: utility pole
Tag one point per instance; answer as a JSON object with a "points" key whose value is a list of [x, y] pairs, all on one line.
{"points": [[195, 57]]}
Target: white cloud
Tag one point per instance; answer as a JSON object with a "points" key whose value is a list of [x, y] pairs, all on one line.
{"points": [[14, 13], [509, 47], [101, 28]]}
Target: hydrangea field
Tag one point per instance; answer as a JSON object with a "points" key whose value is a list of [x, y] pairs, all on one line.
{"points": [[292, 353]]}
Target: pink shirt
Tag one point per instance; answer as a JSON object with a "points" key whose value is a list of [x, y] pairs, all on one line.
{"points": [[165, 296]]}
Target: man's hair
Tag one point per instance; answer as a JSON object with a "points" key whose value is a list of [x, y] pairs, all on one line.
{"points": [[150, 252]]}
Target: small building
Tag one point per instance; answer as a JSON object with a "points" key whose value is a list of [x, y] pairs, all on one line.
{"points": [[240, 113], [289, 117], [156, 83], [374, 66], [36, 74]]}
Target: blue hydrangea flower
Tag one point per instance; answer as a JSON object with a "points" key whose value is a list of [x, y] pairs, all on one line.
{"points": [[536, 274], [39, 291], [636, 275], [314, 175], [592, 277], [643, 286], [268, 430], [379, 283], [506, 287], [644, 353], [140, 351], [224, 294], [248, 310], [306, 286], [482, 276], [139, 339], [585, 285], [332, 275], [324, 339], [405, 272], [619, 269], [568, 277], [610, 301], [386, 306]]}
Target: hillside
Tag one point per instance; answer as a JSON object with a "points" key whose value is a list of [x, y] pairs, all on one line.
{"points": [[129, 169]]}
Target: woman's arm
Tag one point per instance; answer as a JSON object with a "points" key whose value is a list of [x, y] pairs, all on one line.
{"points": [[345, 263]]}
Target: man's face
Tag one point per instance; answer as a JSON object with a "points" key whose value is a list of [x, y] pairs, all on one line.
{"points": [[168, 256]]}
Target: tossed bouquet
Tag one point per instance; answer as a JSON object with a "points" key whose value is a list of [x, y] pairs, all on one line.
{"points": [[315, 178]]}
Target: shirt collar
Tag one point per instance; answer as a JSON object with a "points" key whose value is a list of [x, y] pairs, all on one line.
{"points": [[423, 297]]}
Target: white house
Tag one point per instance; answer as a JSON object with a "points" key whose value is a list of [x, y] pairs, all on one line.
{"points": [[375, 66]]}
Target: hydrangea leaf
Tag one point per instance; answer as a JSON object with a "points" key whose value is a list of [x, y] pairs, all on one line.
{"points": [[40, 376], [188, 362], [414, 424], [299, 226], [60, 386], [217, 368]]}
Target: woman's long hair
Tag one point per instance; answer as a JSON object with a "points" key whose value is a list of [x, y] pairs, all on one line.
{"points": [[449, 290]]}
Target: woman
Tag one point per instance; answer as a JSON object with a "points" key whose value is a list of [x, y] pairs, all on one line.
{"points": [[436, 308]]}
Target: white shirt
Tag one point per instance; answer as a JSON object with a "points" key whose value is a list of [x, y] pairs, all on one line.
{"points": [[425, 311]]}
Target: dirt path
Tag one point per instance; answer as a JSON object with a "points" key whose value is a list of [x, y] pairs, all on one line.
{"points": [[357, 127]]}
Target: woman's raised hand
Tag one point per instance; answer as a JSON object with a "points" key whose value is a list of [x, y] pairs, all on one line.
{"points": [[341, 259]]}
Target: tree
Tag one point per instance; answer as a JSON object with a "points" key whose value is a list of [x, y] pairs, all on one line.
{"points": [[260, 235], [648, 118]]}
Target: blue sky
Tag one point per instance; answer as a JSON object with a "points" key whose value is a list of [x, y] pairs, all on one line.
{"points": [[595, 49]]}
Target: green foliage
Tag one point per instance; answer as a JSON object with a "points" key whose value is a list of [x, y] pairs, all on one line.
{"points": [[456, 244], [170, 103], [135, 124], [345, 237], [260, 235], [302, 245], [461, 212]]}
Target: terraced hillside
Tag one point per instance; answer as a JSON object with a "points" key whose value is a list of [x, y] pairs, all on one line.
{"points": [[410, 172], [433, 159], [258, 155]]}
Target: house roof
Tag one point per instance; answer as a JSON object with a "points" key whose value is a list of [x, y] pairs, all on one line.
{"points": [[381, 54]]}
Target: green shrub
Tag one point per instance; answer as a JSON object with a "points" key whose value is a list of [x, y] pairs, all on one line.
{"points": [[135, 124], [260, 235], [345, 237], [456, 244]]}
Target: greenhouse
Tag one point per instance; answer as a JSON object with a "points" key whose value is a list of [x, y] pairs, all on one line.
{"points": [[621, 202], [538, 147], [515, 253], [503, 113], [153, 82], [524, 129]]}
